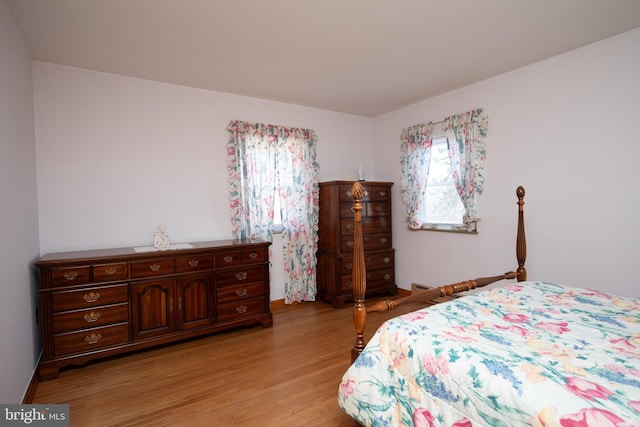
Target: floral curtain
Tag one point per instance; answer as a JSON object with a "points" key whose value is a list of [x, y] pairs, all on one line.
{"points": [[414, 163], [265, 161], [468, 152]]}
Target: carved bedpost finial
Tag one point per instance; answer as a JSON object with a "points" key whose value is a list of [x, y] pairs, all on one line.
{"points": [[358, 277], [521, 241]]}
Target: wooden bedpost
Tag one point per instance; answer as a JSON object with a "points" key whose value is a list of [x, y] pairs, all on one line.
{"points": [[521, 241], [358, 273]]}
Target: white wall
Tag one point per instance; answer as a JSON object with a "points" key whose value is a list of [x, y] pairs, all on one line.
{"points": [[117, 156], [19, 343], [567, 130]]}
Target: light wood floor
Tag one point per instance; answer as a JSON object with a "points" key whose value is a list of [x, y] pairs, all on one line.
{"points": [[287, 375]]}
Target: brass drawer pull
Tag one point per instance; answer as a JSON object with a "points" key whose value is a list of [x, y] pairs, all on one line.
{"points": [[91, 317], [349, 193], [241, 276], [387, 276], [241, 309], [154, 267], [228, 258], [253, 255], [387, 260], [110, 271], [350, 243], [193, 263], [382, 193], [71, 276], [379, 209], [349, 227], [383, 240], [91, 297], [348, 266], [93, 338], [242, 292]]}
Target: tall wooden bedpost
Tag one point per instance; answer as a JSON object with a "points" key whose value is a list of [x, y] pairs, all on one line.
{"points": [[521, 241], [358, 273]]}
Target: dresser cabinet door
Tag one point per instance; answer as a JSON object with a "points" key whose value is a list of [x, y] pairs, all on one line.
{"points": [[194, 305], [153, 307]]}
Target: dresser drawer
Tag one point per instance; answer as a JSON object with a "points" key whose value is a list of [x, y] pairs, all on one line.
{"points": [[110, 272], [89, 297], [91, 317], [194, 263], [240, 309], [66, 276], [252, 256], [240, 276], [240, 292], [90, 339], [227, 259], [151, 267]]}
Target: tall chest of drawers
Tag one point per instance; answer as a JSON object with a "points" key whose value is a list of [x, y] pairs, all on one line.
{"points": [[104, 302], [335, 240]]}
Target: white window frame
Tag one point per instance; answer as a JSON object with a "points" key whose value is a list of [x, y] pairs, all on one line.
{"points": [[459, 227]]}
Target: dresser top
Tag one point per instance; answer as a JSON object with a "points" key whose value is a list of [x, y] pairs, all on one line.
{"points": [[339, 182], [130, 252]]}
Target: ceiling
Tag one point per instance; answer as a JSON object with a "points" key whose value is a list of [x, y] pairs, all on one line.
{"points": [[363, 57]]}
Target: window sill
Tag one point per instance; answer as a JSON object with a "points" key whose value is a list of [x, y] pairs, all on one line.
{"points": [[447, 228]]}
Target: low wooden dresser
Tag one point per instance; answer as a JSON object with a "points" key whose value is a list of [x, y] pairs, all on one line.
{"points": [[100, 303], [335, 240]]}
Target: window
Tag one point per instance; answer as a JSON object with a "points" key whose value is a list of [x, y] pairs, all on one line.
{"points": [[443, 206], [433, 169], [273, 180]]}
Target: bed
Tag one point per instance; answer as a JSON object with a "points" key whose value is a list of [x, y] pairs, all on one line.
{"points": [[526, 353]]}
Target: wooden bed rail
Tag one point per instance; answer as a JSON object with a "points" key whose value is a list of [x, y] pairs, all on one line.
{"points": [[442, 291], [359, 273]]}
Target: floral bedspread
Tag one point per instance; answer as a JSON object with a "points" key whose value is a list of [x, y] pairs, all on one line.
{"points": [[526, 354]]}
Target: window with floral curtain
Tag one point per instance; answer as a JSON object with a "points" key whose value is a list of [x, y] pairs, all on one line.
{"points": [[265, 162], [466, 139]]}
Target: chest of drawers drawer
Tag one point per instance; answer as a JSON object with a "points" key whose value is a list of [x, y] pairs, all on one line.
{"points": [[370, 242], [372, 261], [369, 225], [89, 297]]}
